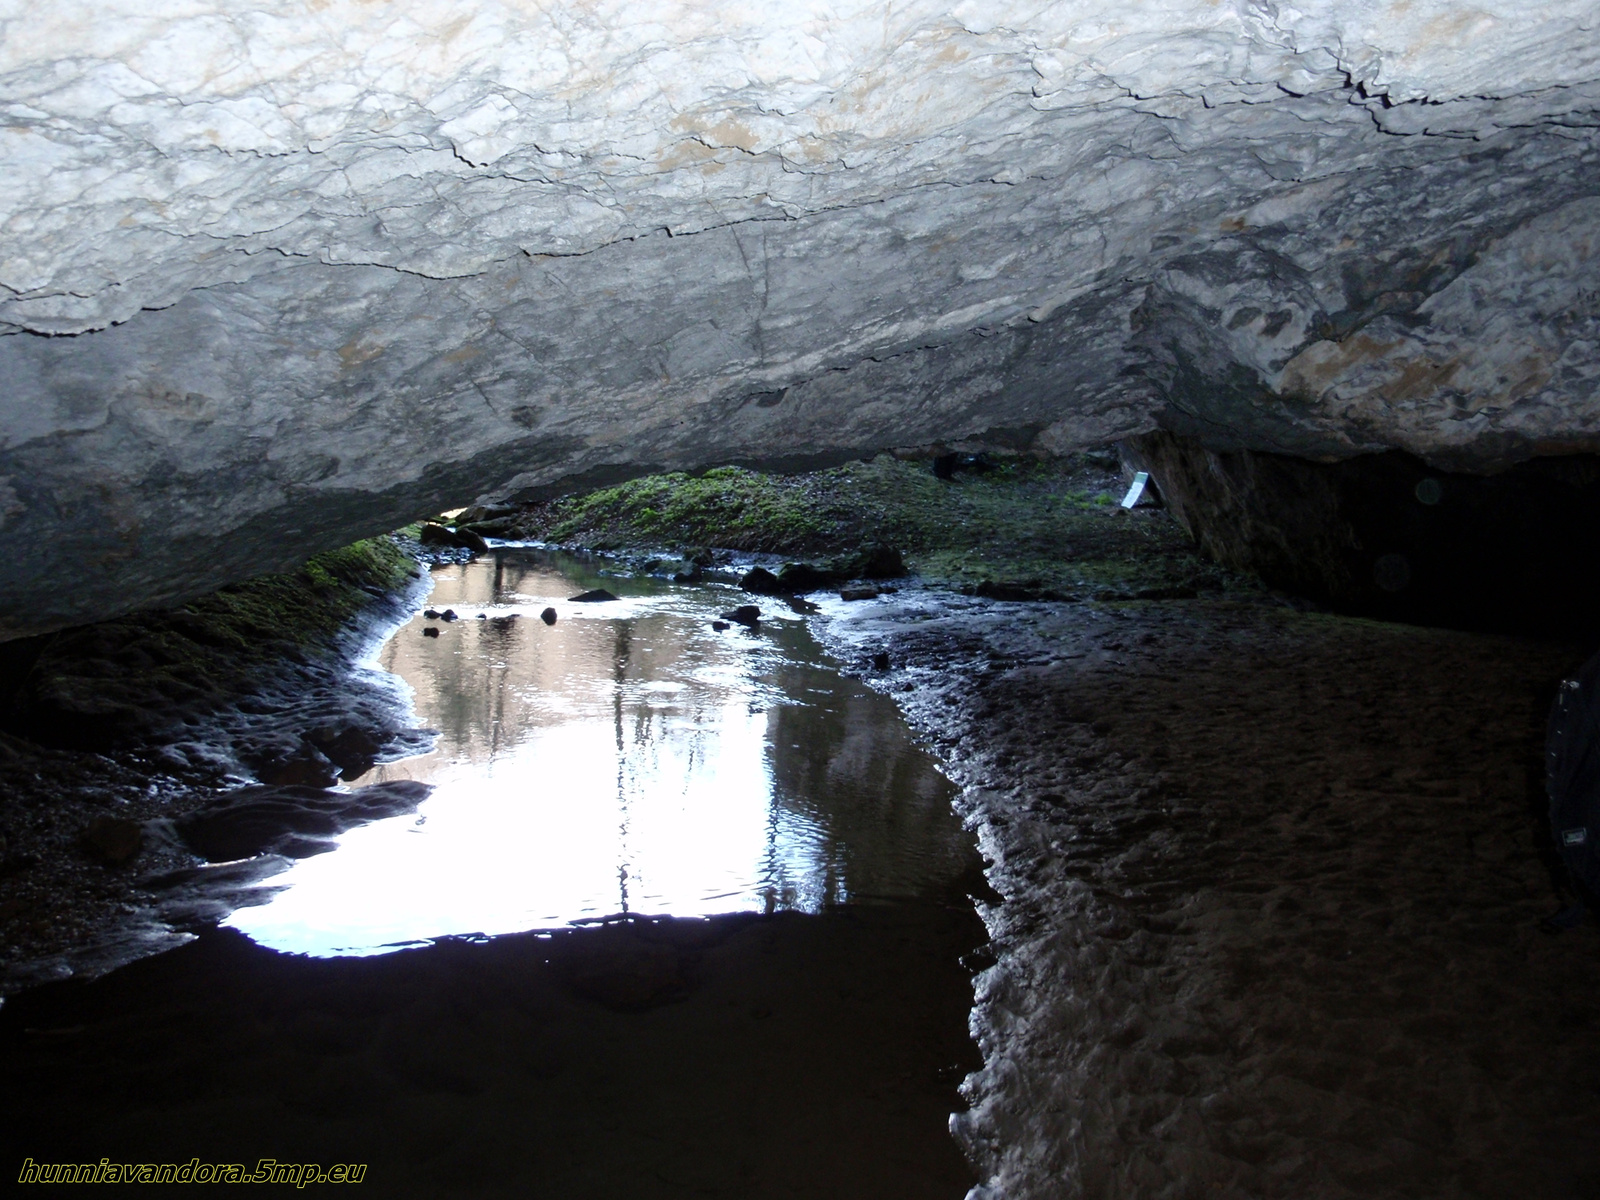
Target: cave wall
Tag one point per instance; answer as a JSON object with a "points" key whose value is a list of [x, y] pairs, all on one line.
{"points": [[1389, 536], [276, 279]]}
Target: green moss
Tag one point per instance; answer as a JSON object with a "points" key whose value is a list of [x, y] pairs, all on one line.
{"points": [[727, 506], [1051, 525], [133, 673]]}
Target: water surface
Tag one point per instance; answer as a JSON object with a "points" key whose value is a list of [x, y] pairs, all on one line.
{"points": [[627, 759]]}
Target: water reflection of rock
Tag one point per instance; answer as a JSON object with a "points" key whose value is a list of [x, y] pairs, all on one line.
{"points": [[849, 766]]}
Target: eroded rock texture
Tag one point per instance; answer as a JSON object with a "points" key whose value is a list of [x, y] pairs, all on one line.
{"points": [[276, 277]]}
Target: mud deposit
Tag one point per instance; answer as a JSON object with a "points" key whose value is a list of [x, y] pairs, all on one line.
{"points": [[1272, 888]]}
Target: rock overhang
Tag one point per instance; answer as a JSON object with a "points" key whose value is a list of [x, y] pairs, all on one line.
{"points": [[275, 280]]}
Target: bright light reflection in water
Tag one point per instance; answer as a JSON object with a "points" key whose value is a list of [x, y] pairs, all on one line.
{"points": [[627, 759]]}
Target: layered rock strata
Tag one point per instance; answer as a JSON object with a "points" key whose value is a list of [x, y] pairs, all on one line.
{"points": [[275, 279]]}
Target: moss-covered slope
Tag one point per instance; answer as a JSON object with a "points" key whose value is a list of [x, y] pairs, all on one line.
{"points": [[1051, 526], [137, 674]]}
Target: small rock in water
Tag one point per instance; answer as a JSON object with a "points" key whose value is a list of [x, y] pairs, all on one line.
{"points": [[548, 616], [431, 614], [431, 631], [483, 616], [746, 614], [593, 596], [858, 593], [719, 625], [880, 660], [801, 605], [449, 614], [113, 839]]}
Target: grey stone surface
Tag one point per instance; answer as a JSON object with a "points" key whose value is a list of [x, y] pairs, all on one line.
{"points": [[278, 279]]}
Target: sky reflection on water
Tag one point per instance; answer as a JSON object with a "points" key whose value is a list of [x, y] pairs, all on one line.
{"points": [[627, 759]]}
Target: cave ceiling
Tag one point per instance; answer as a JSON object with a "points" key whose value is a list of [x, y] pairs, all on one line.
{"points": [[276, 277]]}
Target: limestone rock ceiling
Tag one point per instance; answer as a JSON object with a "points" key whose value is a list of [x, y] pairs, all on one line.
{"points": [[274, 277]]}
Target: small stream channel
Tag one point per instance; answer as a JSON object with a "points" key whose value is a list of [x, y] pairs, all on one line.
{"points": [[684, 914], [628, 758]]}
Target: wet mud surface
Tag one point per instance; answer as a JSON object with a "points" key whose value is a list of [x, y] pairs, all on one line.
{"points": [[788, 1056], [1273, 882]]}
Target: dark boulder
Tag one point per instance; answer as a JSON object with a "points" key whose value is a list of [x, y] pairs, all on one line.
{"points": [[300, 763], [879, 562], [351, 748], [467, 539], [746, 614], [548, 616], [761, 582], [593, 596], [433, 534], [803, 577]]}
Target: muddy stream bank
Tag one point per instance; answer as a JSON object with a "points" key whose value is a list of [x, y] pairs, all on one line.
{"points": [[1272, 888]]}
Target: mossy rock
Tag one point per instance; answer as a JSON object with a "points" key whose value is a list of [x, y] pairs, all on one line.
{"points": [[1050, 525]]}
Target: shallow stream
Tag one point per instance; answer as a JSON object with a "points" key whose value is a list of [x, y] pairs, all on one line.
{"points": [[628, 758]]}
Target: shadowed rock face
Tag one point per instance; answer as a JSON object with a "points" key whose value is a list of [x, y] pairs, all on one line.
{"points": [[1384, 535], [314, 273]]}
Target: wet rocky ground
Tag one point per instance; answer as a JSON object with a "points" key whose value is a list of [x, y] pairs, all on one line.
{"points": [[110, 735], [1273, 883]]}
